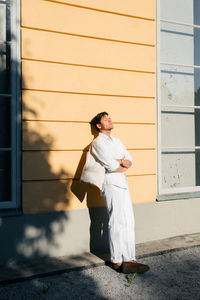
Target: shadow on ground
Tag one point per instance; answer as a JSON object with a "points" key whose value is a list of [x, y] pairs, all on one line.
{"points": [[174, 275]]}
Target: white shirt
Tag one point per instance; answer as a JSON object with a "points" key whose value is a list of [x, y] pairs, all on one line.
{"points": [[107, 150]]}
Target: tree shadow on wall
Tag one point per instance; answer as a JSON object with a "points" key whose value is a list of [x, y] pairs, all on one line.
{"points": [[31, 242], [35, 234], [96, 206]]}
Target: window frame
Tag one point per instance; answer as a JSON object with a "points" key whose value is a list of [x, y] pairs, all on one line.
{"points": [[169, 193], [14, 204]]}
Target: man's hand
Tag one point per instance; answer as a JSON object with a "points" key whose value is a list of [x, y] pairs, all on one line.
{"points": [[124, 163]]}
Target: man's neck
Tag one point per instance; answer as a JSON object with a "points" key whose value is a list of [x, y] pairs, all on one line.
{"points": [[106, 132]]}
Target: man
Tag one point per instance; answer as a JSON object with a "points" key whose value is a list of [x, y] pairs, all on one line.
{"points": [[116, 160]]}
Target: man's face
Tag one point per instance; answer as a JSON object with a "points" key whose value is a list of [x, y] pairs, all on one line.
{"points": [[106, 123]]}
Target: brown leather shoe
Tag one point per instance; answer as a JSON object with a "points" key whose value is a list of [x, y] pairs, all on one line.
{"points": [[117, 267], [134, 267]]}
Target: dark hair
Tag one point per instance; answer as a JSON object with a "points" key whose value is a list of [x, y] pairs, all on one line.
{"points": [[97, 119]]}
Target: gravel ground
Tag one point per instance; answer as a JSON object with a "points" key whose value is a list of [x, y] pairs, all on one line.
{"points": [[173, 275]]}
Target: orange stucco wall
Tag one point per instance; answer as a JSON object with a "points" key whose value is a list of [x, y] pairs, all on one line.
{"points": [[80, 58]]}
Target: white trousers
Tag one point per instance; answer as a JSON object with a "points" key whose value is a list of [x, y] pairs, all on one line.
{"points": [[121, 223]]}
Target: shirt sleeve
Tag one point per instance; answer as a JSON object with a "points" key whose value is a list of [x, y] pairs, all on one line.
{"points": [[101, 152], [126, 154]]}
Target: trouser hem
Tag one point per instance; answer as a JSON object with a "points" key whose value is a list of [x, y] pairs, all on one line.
{"points": [[115, 261]]}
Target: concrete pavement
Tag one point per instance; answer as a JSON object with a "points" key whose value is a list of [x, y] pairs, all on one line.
{"points": [[174, 274]]}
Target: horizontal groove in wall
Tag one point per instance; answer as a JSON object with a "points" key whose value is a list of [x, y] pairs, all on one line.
{"points": [[152, 174], [87, 66], [100, 10], [89, 94], [87, 36], [85, 122], [46, 180], [63, 150], [70, 178]]}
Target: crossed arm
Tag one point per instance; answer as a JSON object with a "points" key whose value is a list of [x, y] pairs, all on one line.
{"points": [[100, 150], [124, 165]]}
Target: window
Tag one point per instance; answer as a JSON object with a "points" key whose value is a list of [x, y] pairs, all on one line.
{"points": [[178, 70], [9, 105]]}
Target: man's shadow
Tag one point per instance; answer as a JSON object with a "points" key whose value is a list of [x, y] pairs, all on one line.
{"points": [[96, 205]]}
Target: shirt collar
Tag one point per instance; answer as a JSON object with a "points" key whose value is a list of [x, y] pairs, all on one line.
{"points": [[106, 137]]}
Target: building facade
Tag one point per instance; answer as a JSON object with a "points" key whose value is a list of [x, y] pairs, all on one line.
{"points": [[62, 62]]}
